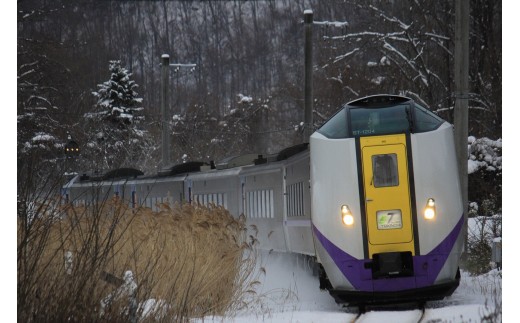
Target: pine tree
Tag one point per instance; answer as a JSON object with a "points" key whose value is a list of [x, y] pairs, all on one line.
{"points": [[117, 99], [116, 138]]}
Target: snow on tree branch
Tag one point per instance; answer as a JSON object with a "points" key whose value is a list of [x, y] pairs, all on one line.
{"points": [[339, 58], [484, 153], [392, 35], [394, 19], [338, 24]]}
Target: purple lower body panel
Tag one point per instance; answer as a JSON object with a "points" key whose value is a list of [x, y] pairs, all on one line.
{"points": [[426, 268]]}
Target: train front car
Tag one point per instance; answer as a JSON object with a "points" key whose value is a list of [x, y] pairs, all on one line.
{"points": [[387, 211]]}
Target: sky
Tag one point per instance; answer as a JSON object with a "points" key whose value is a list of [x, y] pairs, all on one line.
{"points": [[510, 72]]}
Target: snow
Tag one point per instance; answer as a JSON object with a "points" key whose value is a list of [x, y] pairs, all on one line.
{"points": [[378, 80], [43, 137], [483, 154], [384, 61], [290, 293], [339, 58], [473, 166], [244, 98], [337, 24]]}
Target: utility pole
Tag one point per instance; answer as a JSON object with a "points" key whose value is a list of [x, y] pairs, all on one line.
{"points": [[165, 105], [461, 102], [308, 122]]}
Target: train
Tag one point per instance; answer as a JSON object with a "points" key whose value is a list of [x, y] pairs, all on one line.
{"points": [[373, 199]]}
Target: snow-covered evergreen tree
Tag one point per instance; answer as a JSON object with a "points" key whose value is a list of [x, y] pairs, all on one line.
{"points": [[485, 174], [117, 100], [116, 138]]}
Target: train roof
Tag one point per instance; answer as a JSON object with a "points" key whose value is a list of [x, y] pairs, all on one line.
{"points": [[380, 114], [237, 161], [379, 100], [291, 151], [115, 174], [122, 173], [226, 166], [188, 167]]}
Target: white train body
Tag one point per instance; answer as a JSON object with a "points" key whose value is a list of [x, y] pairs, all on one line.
{"points": [[384, 177], [382, 180]]}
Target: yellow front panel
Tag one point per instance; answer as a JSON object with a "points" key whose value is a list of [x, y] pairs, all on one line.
{"points": [[387, 194]]}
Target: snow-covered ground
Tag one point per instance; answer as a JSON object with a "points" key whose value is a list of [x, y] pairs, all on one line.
{"points": [[290, 293]]}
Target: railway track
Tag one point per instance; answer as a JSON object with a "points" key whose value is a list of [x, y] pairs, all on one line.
{"points": [[414, 316], [423, 311]]}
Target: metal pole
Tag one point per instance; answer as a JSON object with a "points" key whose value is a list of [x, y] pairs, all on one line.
{"points": [[461, 102], [308, 122], [165, 65]]}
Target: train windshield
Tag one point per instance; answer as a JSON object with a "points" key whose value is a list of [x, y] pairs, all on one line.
{"points": [[370, 121], [354, 121]]}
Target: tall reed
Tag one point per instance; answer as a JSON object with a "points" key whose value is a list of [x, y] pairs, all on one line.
{"points": [[186, 261]]}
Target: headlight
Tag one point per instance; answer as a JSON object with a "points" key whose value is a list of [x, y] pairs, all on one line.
{"points": [[429, 210], [346, 216]]}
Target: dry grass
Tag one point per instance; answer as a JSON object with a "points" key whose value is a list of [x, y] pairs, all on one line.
{"points": [[194, 259]]}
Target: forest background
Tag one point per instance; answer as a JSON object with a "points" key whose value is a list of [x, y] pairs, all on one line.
{"points": [[245, 94]]}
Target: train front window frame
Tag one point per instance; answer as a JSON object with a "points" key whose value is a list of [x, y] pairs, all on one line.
{"points": [[359, 120], [337, 126], [425, 120]]}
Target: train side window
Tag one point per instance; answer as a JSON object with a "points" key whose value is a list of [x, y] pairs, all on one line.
{"points": [[426, 120], [384, 168], [295, 199], [337, 126], [260, 204]]}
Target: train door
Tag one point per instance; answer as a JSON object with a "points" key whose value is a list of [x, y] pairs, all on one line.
{"points": [[389, 221]]}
